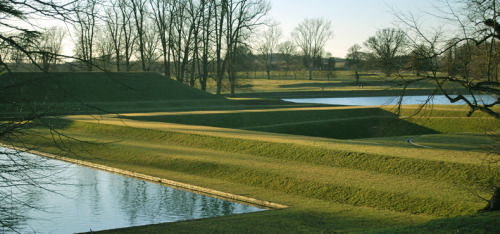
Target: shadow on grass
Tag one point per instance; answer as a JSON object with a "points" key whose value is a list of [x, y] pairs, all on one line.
{"points": [[275, 221], [485, 222], [334, 123], [343, 84], [59, 93]]}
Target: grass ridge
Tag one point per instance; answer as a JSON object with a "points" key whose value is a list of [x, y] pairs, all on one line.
{"points": [[473, 175]]}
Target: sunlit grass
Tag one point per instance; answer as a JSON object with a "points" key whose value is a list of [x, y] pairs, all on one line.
{"points": [[287, 153]]}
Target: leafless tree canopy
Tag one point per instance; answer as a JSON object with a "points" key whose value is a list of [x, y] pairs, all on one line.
{"points": [[466, 48], [387, 45], [311, 36], [269, 45]]}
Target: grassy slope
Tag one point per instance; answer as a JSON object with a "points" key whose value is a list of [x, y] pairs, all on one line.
{"points": [[268, 170], [331, 185], [83, 92], [332, 122]]}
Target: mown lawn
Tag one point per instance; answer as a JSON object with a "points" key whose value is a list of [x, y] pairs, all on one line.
{"points": [[378, 189], [339, 169]]}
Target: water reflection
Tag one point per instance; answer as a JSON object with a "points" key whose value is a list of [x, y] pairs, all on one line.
{"points": [[88, 199], [388, 100]]}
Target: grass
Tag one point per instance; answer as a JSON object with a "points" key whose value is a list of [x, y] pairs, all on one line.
{"points": [[91, 93], [391, 184], [340, 169], [340, 123]]}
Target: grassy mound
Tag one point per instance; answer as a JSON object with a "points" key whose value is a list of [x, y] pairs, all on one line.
{"points": [[91, 92], [335, 122], [400, 184]]}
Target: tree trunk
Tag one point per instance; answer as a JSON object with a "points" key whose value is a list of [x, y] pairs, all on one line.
{"points": [[494, 203]]}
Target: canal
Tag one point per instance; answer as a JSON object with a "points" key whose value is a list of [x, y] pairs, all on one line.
{"points": [[69, 198]]}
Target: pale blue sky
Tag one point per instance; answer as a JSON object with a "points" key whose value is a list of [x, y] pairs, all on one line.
{"points": [[353, 21]]}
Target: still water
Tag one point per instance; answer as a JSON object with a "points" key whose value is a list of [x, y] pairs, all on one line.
{"points": [[81, 199], [380, 101]]}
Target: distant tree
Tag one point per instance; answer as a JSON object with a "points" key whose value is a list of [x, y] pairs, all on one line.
{"points": [[115, 31], [104, 49], [139, 13], [354, 57], [330, 62], [317, 62], [162, 18], [287, 52], [195, 11], [311, 36], [85, 26], [48, 46], [127, 32], [183, 26], [220, 9], [269, 46], [387, 45], [418, 62], [207, 11], [151, 41]]}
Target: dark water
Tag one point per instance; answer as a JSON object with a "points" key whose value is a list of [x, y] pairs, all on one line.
{"points": [[80, 199], [380, 101]]}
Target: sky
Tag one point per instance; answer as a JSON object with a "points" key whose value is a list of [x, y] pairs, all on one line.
{"points": [[353, 21]]}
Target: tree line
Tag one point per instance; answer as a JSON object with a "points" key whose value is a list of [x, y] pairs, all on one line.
{"points": [[190, 37], [187, 40], [461, 57]]}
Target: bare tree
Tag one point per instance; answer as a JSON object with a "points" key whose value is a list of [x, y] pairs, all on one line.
{"points": [[195, 11], [162, 17], [287, 52], [104, 49], [49, 45], [115, 30], [85, 25], [469, 40], [353, 57], [220, 9], [269, 46], [139, 12], [387, 45], [207, 11], [183, 31], [151, 41], [311, 36], [127, 30], [14, 166], [241, 17]]}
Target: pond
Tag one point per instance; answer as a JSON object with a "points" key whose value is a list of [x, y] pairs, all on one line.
{"points": [[386, 100], [80, 199]]}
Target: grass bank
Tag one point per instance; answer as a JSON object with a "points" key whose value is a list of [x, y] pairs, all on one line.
{"points": [[393, 186], [339, 169]]}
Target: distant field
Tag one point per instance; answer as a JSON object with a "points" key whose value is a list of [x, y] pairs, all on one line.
{"points": [[342, 85], [339, 169]]}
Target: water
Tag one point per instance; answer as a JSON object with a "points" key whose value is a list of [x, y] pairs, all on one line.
{"points": [[81, 199], [380, 101]]}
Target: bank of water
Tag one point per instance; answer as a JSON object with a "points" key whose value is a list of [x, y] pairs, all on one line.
{"points": [[68, 198], [388, 100]]}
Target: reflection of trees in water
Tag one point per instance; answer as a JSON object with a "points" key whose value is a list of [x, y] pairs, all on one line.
{"points": [[24, 181], [147, 202], [97, 198], [88, 192]]}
